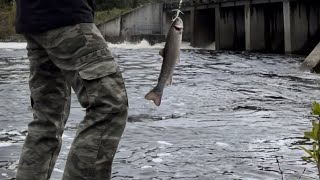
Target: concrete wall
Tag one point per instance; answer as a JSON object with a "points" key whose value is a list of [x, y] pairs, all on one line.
{"points": [[110, 29], [144, 20], [166, 22], [230, 28]]}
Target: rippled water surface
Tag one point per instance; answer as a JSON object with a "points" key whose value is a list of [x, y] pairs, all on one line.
{"points": [[227, 116]]}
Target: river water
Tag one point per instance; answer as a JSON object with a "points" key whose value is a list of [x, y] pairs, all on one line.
{"points": [[228, 115]]}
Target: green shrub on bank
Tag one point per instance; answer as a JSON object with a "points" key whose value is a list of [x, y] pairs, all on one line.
{"points": [[111, 9], [314, 136], [101, 16], [7, 19]]}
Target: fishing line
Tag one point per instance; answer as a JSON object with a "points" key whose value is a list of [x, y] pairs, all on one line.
{"points": [[178, 11]]}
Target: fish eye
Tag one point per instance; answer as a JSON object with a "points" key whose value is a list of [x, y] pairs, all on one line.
{"points": [[178, 29]]}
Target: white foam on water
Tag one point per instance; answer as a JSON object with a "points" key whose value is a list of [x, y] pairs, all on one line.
{"points": [[5, 144], [65, 136], [13, 166], [4, 174], [146, 167], [164, 143], [12, 45], [157, 160], [144, 44], [8, 49], [58, 170], [163, 154], [221, 144], [14, 133]]}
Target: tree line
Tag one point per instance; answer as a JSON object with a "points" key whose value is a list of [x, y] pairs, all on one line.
{"points": [[100, 4], [121, 4], [106, 9], [6, 3]]}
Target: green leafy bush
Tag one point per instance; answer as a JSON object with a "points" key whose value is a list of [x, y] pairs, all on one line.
{"points": [[7, 19], [313, 136]]}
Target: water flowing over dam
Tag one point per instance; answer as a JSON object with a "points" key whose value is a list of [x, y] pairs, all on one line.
{"points": [[270, 26]]}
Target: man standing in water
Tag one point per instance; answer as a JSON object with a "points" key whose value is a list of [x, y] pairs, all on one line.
{"points": [[66, 50]]}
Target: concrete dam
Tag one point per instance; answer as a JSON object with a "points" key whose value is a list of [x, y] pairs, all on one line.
{"points": [[275, 26]]}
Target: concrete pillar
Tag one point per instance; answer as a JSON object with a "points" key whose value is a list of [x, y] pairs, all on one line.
{"points": [[302, 26], [287, 27], [217, 28], [192, 31], [247, 24]]}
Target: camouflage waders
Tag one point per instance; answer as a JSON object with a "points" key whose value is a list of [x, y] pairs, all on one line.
{"points": [[75, 56]]}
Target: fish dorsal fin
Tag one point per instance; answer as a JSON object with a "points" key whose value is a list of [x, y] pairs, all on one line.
{"points": [[161, 52]]}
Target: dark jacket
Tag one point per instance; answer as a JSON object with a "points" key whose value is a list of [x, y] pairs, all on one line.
{"points": [[36, 16]]}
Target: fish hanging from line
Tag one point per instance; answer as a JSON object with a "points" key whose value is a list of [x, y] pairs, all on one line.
{"points": [[171, 56]]}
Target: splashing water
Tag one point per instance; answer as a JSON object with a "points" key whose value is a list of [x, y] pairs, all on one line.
{"points": [[12, 45], [144, 44]]}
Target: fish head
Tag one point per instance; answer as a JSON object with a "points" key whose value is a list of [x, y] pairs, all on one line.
{"points": [[178, 24]]}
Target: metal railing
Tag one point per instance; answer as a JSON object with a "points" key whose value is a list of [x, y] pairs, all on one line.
{"points": [[175, 3], [169, 4]]}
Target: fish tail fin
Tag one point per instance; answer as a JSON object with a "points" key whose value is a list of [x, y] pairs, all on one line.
{"points": [[155, 96]]}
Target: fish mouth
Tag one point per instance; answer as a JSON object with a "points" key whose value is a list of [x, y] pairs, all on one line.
{"points": [[178, 28]]}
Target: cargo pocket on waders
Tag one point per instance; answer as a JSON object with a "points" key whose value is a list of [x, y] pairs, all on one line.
{"points": [[98, 69], [103, 82]]}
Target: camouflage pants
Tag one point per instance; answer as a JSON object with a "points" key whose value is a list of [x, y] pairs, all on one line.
{"points": [[74, 56]]}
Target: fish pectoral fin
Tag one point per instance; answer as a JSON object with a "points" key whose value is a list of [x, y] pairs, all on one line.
{"points": [[178, 60], [161, 52], [169, 81]]}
